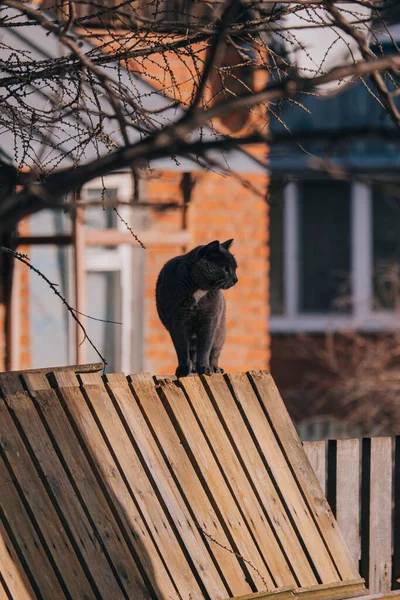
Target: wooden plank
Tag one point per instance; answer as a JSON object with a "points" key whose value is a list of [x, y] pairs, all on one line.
{"points": [[46, 519], [86, 368], [333, 591], [71, 512], [202, 511], [392, 595], [203, 457], [396, 518], [344, 490], [265, 512], [279, 465], [102, 522], [376, 550], [172, 508], [132, 499], [316, 454], [325, 591], [4, 595], [307, 481], [281, 594], [12, 571]]}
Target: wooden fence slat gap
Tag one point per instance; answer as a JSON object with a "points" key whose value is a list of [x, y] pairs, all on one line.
{"points": [[332, 474]]}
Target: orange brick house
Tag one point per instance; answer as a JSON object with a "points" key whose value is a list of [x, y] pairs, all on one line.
{"points": [[117, 277]]}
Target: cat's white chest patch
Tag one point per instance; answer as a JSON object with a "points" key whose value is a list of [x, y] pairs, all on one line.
{"points": [[198, 295]]}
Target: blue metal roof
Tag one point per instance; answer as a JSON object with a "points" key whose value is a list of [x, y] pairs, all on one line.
{"points": [[355, 107]]}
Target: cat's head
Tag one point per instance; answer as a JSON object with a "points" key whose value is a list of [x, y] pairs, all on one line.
{"points": [[215, 267]]}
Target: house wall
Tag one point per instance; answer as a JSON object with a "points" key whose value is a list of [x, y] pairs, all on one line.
{"points": [[221, 208], [24, 355]]}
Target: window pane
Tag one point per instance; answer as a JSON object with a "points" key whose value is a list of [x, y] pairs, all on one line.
{"points": [[104, 302], [276, 209], [324, 214], [48, 317], [50, 222], [386, 250], [97, 217]]}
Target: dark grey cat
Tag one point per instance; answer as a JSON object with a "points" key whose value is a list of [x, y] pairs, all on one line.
{"points": [[191, 305]]}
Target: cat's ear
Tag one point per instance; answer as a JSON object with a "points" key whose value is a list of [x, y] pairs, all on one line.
{"points": [[227, 244], [210, 248]]}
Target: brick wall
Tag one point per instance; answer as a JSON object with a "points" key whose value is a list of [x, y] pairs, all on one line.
{"points": [[221, 208], [24, 346]]}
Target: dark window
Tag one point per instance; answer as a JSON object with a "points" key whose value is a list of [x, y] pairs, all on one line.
{"points": [[386, 249], [324, 239], [276, 279]]}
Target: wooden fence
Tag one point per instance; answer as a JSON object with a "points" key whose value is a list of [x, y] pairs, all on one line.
{"points": [[361, 479]]}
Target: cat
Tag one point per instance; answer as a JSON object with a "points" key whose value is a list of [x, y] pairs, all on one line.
{"points": [[191, 305]]}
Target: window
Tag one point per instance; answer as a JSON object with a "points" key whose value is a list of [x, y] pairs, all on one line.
{"points": [[335, 256], [112, 287], [386, 250], [324, 246], [276, 280]]}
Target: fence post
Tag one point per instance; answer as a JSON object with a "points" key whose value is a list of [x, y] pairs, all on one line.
{"points": [[343, 490], [376, 513]]}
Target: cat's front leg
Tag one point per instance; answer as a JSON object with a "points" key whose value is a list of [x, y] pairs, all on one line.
{"points": [[181, 343], [205, 338]]}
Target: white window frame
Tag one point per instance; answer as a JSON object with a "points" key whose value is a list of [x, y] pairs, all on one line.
{"points": [[120, 259], [363, 318]]}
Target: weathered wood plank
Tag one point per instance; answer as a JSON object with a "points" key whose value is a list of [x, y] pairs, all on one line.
{"points": [[58, 545], [202, 511], [165, 487], [280, 468], [316, 454], [205, 459], [326, 591], [344, 490], [86, 486], [307, 481], [239, 485], [73, 517], [132, 499], [376, 551], [4, 595], [230, 439], [269, 496], [11, 568]]}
